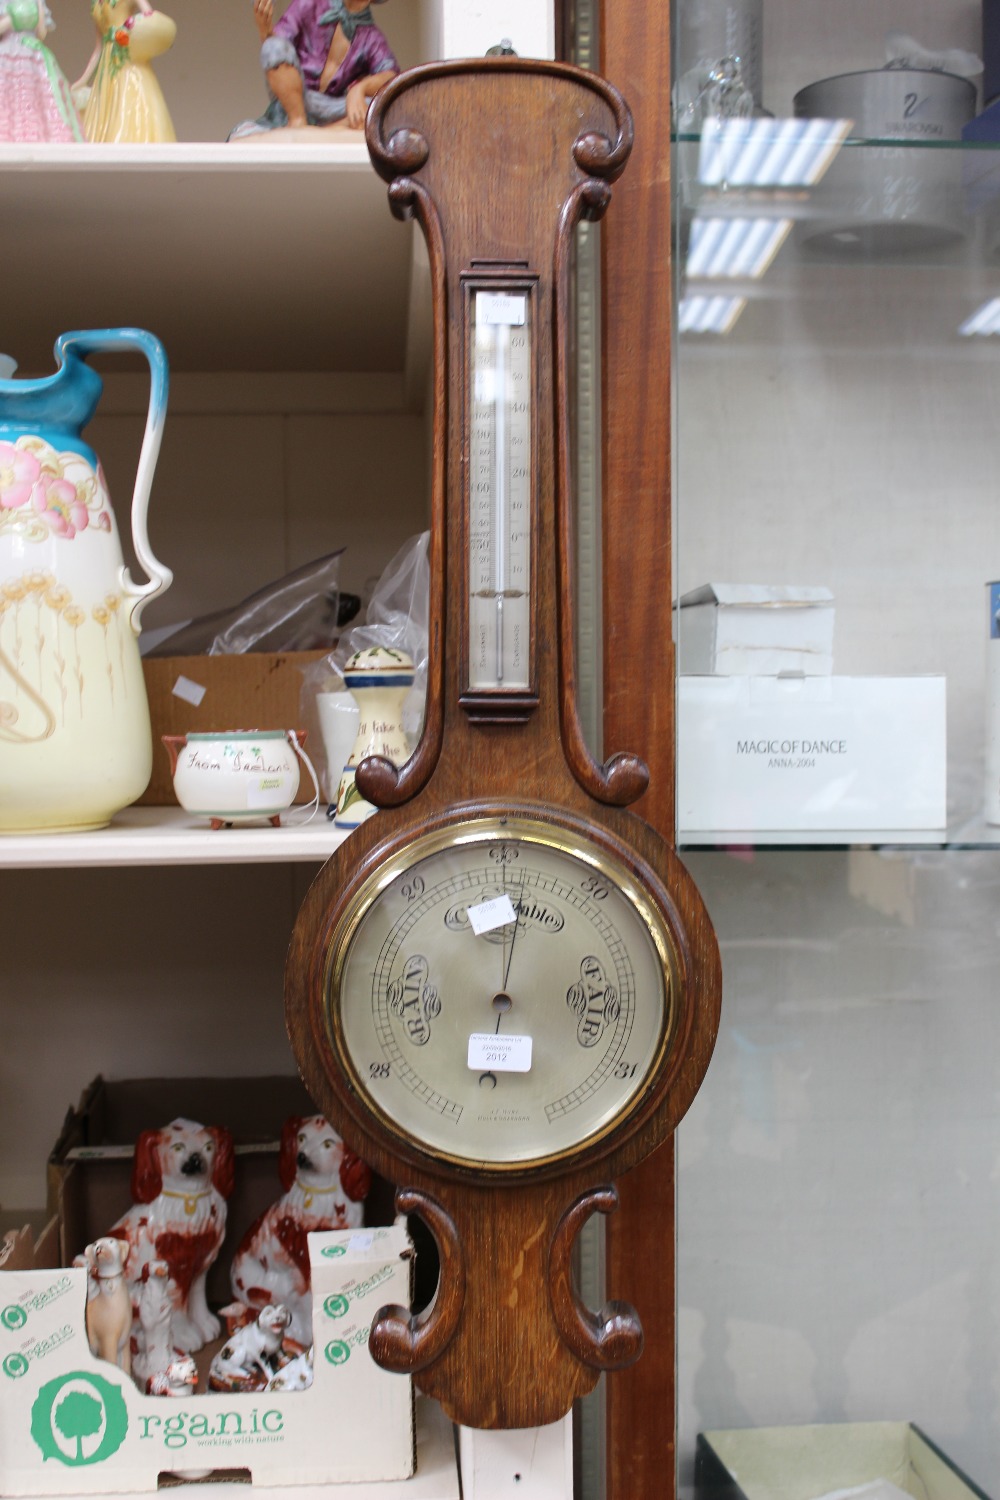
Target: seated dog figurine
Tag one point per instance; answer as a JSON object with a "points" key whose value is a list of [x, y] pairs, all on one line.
{"points": [[109, 1306], [324, 1186], [178, 1379], [252, 1357], [181, 1178]]}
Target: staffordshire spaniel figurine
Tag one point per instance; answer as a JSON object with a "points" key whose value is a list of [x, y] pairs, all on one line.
{"points": [[181, 1178], [324, 1185]]}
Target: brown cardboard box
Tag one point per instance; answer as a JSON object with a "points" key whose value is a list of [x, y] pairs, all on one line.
{"points": [[259, 690], [28, 1242], [90, 1167]]}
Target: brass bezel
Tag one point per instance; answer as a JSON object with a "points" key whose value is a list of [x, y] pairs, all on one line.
{"points": [[525, 828]]}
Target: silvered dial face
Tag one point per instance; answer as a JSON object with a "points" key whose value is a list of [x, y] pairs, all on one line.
{"points": [[501, 991]]}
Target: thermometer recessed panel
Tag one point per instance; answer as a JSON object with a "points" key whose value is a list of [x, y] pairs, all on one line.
{"points": [[500, 489]]}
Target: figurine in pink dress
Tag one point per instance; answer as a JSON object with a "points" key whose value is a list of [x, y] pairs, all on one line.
{"points": [[323, 61], [35, 102]]}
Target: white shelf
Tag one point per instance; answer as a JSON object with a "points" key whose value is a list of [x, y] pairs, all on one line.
{"points": [[269, 256], [169, 836]]}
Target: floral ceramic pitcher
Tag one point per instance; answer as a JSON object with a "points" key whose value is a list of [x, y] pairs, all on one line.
{"points": [[75, 740]]}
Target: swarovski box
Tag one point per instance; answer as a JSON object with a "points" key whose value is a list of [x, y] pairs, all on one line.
{"points": [[756, 628], [760, 754], [71, 1424], [878, 1459]]}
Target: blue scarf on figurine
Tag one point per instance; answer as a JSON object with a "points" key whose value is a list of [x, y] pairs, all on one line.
{"points": [[349, 21]]}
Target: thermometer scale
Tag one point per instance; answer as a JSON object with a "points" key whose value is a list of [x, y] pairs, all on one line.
{"points": [[500, 474]]}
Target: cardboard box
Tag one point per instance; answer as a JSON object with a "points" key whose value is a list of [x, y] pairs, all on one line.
{"points": [[28, 1246], [90, 1166], [807, 1463], [71, 1424], [756, 629], [259, 690], [811, 753]]}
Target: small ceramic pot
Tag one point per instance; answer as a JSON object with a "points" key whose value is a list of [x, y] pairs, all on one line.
{"points": [[239, 775]]}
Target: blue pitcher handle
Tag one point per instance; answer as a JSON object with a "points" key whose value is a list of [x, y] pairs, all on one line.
{"points": [[110, 341]]}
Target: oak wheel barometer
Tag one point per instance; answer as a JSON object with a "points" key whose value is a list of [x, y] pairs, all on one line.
{"points": [[503, 988]]}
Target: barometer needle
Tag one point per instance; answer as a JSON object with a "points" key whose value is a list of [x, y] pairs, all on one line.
{"points": [[510, 950]]}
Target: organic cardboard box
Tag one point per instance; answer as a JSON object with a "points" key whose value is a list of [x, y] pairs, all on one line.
{"points": [[71, 1424]]}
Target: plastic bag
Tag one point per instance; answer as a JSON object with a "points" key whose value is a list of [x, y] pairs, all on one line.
{"points": [[397, 618], [299, 612]]}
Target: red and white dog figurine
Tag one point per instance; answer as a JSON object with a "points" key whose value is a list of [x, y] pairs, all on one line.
{"points": [[324, 1185], [181, 1178]]}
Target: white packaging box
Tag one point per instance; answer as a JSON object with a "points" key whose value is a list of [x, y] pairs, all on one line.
{"points": [[735, 629], [810, 753], [71, 1424]]}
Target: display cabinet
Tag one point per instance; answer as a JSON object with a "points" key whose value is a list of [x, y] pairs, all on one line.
{"points": [[834, 427]]}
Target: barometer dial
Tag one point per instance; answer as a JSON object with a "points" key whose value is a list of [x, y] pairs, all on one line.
{"points": [[502, 992]]}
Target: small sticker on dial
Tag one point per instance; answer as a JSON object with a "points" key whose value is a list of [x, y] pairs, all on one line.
{"points": [[491, 1053], [490, 914]]}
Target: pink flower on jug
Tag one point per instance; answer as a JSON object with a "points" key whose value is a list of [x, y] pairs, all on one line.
{"points": [[59, 506], [19, 472]]}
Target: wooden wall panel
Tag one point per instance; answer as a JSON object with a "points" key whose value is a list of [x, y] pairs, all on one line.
{"points": [[635, 53]]}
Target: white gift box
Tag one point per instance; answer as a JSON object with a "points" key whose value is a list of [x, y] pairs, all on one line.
{"points": [[759, 629], [810, 753]]}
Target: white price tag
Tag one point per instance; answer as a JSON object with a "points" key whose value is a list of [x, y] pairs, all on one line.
{"points": [[490, 914], [491, 1053], [493, 308], [270, 791], [191, 692], [361, 1242]]}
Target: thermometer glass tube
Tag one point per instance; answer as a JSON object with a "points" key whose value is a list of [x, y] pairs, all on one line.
{"points": [[500, 470]]}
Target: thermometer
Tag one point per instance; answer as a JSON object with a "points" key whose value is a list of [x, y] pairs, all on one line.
{"points": [[500, 471]]}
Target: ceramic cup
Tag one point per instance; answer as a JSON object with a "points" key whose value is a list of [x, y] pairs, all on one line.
{"points": [[338, 724], [238, 775]]}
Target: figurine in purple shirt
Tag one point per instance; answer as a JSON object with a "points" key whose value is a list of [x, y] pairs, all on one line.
{"points": [[323, 60]]}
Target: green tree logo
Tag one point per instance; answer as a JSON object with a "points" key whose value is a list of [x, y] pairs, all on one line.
{"points": [[335, 1307], [329, 1251], [338, 1352], [13, 1317], [79, 1419], [15, 1365]]}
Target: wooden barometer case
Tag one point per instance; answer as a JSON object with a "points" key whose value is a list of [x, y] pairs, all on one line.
{"points": [[503, 988]]}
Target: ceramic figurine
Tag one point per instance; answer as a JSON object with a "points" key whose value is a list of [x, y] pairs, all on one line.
{"points": [[179, 1379], [181, 1178], [379, 678], [75, 738], [109, 1305], [123, 101], [324, 1186], [152, 1332], [297, 1375], [35, 99], [323, 61], [251, 1358]]}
